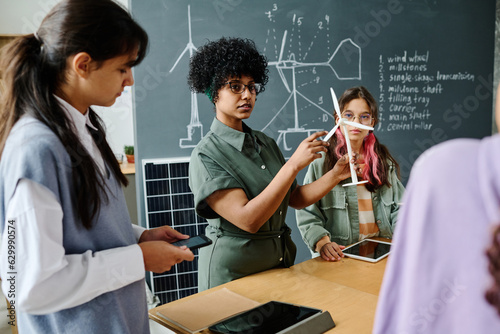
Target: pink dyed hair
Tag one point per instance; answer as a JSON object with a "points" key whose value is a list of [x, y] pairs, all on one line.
{"points": [[371, 170], [378, 159]]}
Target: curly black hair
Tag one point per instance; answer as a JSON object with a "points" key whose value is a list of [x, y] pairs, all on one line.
{"points": [[216, 61]]}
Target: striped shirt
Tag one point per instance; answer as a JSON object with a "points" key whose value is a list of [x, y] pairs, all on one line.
{"points": [[367, 226]]}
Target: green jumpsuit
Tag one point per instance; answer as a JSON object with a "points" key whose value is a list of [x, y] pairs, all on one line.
{"points": [[224, 159]]}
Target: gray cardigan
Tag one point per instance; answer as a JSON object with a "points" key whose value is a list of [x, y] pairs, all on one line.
{"points": [[34, 152]]}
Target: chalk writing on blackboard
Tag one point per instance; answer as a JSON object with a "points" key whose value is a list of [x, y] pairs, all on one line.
{"points": [[407, 87]]}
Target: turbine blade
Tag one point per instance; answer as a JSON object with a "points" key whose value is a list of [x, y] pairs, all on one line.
{"points": [[282, 47], [335, 102], [330, 134], [282, 76]]}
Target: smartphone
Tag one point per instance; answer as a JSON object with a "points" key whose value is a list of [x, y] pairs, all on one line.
{"points": [[194, 242]]}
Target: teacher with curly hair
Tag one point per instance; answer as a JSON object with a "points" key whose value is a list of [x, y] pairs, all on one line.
{"points": [[241, 182]]}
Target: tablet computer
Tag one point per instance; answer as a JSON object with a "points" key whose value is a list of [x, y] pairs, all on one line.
{"points": [[368, 250], [268, 318]]}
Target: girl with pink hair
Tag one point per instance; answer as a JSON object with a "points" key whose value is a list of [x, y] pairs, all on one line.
{"points": [[348, 214]]}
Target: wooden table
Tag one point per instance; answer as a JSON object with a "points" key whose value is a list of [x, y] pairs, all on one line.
{"points": [[127, 168], [348, 290]]}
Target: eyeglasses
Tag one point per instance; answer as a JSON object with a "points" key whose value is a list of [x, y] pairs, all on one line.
{"points": [[239, 88], [365, 119]]}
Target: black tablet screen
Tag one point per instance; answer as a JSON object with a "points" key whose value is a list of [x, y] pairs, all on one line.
{"points": [[369, 248], [268, 318]]}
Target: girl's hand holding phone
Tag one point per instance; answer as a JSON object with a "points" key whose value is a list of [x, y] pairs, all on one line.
{"points": [[163, 233], [160, 256]]}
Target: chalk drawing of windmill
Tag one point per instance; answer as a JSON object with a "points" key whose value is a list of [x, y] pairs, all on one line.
{"points": [[292, 65], [194, 128]]}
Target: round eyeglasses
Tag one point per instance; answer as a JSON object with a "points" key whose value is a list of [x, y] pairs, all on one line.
{"points": [[239, 88], [365, 119]]}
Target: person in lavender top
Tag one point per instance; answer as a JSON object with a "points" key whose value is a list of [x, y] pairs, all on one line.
{"points": [[437, 276]]}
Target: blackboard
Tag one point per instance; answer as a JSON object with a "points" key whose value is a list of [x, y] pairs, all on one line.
{"points": [[429, 63]]}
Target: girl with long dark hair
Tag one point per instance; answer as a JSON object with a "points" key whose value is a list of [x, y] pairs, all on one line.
{"points": [[67, 241]]}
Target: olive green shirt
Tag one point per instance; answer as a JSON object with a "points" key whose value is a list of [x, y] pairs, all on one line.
{"points": [[337, 213], [225, 159]]}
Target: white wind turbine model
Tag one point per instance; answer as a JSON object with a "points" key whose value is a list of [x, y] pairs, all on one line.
{"points": [[343, 122]]}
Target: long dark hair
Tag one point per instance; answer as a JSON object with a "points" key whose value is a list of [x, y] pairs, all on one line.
{"points": [[377, 156], [33, 68]]}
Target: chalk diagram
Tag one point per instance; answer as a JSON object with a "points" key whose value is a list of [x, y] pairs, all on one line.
{"points": [[194, 128], [290, 63], [293, 64]]}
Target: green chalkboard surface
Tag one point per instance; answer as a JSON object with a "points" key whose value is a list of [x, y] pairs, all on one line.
{"points": [[429, 63]]}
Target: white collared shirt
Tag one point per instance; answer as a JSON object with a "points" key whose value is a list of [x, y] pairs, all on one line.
{"points": [[47, 279]]}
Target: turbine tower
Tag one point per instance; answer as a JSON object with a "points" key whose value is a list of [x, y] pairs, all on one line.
{"points": [[194, 128]]}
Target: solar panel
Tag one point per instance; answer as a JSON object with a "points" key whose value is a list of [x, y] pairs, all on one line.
{"points": [[169, 201]]}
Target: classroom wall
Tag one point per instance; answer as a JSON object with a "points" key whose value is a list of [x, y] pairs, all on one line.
{"points": [[24, 16]]}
